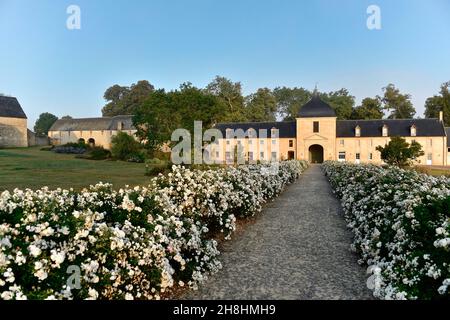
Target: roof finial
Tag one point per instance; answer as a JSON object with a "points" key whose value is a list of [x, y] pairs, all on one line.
{"points": [[315, 92]]}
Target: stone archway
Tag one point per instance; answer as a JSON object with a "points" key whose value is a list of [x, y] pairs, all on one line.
{"points": [[91, 142], [316, 153]]}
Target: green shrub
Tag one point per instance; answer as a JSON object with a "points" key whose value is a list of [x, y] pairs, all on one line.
{"points": [[156, 166], [96, 153], [125, 147]]}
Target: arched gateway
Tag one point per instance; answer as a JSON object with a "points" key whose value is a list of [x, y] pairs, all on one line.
{"points": [[316, 153]]}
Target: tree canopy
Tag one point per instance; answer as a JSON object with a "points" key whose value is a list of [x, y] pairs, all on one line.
{"points": [[400, 153], [370, 108], [230, 94], [43, 123], [440, 102], [261, 106], [125, 100], [399, 105], [289, 101]]}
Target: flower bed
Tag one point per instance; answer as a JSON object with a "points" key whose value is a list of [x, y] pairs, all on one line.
{"points": [[401, 225], [127, 244]]}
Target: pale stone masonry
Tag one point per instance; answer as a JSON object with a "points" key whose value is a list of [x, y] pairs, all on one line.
{"points": [[93, 131], [13, 123], [316, 135]]}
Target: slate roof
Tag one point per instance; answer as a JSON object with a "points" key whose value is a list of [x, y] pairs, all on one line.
{"points": [[316, 107], [88, 124], [287, 129], [396, 127], [10, 108]]}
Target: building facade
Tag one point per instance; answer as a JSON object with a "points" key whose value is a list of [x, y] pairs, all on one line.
{"points": [[13, 123], [316, 135], [93, 131]]}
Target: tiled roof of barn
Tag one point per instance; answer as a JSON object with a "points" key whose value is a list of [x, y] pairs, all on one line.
{"points": [[92, 124], [10, 108], [396, 127], [287, 129]]}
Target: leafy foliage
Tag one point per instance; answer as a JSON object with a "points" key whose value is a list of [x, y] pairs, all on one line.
{"points": [[399, 105], [125, 100], [437, 103], [43, 123], [400, 153], [125, 147]]}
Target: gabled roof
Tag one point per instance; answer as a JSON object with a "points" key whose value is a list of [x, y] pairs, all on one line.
{"points": [[397, 127], [287, 129], [10, 108], [316, 107], [89, 124]]}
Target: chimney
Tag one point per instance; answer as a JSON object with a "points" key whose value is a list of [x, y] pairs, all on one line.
{"points": [[441, 115]]}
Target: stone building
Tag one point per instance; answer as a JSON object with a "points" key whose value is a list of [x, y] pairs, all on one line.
{"points": [[93, 131], [316, 135], [13, 123]]}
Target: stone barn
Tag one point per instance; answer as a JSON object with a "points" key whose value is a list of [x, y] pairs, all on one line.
{"points": [[13, 123]]}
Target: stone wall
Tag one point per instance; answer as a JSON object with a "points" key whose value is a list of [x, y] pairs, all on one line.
{"points": [[13, 132]]}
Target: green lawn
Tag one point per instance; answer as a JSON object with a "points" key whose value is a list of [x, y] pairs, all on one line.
{"points": [[33, 168]]}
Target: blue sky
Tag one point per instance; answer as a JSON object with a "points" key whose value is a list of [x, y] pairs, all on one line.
{"points": [[262, 43]]}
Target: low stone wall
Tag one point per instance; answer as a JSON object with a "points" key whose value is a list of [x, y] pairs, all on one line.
{"points": [[34, 140]]}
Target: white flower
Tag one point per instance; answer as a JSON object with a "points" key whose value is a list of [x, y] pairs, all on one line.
{"points": [[57, 257], [129, 296], [34, 250]]}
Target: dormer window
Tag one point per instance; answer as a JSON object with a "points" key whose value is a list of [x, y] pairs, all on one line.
{"points": [[385, 131], [120, 125], [274, 133], [413, 131], [357, 131]]}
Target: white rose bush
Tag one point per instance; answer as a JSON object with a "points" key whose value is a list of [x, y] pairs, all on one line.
{"points": [[401, 225], [132, 243]]}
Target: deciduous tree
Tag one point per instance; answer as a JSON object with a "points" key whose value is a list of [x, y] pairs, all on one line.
{"points": [[399, 105], [44, 122], [370, 108], [400, 153]]}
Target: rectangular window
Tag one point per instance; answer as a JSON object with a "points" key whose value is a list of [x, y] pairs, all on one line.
{"points": [[316, 126], [341, 142], [358, 156], [250, 156], [228, 142], [228, 155], [217, 154], [291, 143], [274, 156], [261, 141], [249, 141], [430, 156], [261, 155], [341, 155], [274, 141], [370, 156]]}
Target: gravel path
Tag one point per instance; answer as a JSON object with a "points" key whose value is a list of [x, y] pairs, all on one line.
{"points": [[298, 248]]}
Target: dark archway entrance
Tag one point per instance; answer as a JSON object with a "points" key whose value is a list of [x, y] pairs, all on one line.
{"points": [[91, 142], [316, 153]]}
